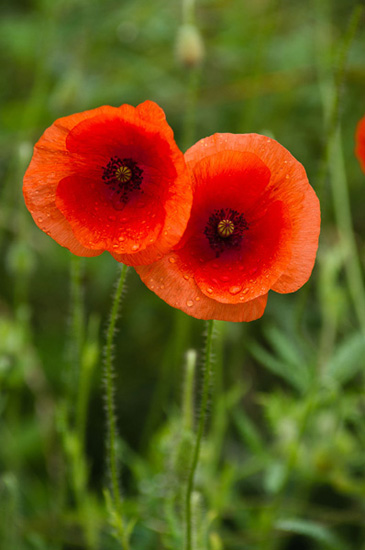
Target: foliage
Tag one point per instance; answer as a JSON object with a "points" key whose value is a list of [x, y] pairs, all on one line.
{"points": [[282, 465]]}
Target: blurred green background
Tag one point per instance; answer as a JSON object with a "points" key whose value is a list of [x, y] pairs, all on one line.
{"points": [[283, 462]]}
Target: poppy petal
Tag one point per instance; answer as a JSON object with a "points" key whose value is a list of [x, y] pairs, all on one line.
{"points": [[289, 184], [69, 180], [360, 143], [254, 226], [169, 279]]}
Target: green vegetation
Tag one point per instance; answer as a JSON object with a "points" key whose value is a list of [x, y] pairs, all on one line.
{"points": [[282, 464]]}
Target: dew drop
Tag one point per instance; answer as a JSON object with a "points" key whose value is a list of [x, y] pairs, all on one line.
{"points": [[135, 247], [186, 277], [162, 287], [210, 290], [190, 303], [40, 219], [197, 299], [121, 239], [224, 278], [235, 290], [244, 291], [172, 260]]}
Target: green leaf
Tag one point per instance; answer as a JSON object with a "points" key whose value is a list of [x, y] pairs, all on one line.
{"points": [[291, 374], [347, 359], [313, 530]]}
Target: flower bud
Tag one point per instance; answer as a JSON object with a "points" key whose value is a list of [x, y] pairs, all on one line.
{"points": [[189, 46]]}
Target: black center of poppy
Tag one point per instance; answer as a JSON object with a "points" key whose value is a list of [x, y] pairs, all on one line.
{"points": [[224, 230], [122, 176]]}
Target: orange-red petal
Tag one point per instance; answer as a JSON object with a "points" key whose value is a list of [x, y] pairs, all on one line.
{"points": [[288, 184], [169, 278], [240, 175], [360, 142], [64, 182]]}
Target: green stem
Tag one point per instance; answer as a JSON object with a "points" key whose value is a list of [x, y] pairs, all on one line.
{"points": [[77, 325], [199, 434], [335, 165], [110, 412]]}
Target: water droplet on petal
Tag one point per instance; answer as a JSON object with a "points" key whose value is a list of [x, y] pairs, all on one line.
{"points": [[210, 290], [162, 287], [190, 303], [121, 238], [224, 278], [197, 299], [235, 289], [135, 247], [172, 260], [186, 277]]}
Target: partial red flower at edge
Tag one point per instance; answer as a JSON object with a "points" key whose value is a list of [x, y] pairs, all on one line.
{"points": [[254, 226], [113, 179], [360, 143]]}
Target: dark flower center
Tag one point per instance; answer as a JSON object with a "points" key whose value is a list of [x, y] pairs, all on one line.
{"points": [[122, 176], [224, 230]]}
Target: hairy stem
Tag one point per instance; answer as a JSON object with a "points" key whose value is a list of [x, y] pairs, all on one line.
{"points": [[199, 435], [118, 521]]}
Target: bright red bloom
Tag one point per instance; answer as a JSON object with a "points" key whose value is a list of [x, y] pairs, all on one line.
{"points": [[360, 143], [110, 179], [254, 226]]}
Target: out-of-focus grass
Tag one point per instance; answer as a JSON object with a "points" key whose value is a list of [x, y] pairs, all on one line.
{"points": [[283, 462]]}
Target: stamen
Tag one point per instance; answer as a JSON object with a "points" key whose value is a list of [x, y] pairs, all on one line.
{"points": [[122, 176], [224, 230]]}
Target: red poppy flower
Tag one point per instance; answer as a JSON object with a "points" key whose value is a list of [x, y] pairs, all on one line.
{"points": [[254, 226], [110, 179], [360, 143]]}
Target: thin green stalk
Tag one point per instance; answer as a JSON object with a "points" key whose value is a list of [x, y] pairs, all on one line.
{"points": [[335, 165], [118, 521], [76, 325], [331, 85], [199, 435], [194, 74]]}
